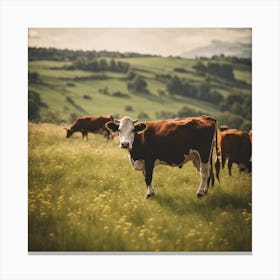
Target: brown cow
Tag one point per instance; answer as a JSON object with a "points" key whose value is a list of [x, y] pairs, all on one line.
{"points": [[234, 145], [94, 124], [169, 142]]}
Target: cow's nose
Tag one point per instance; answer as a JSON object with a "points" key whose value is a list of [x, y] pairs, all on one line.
{"points": [[124, 145]]}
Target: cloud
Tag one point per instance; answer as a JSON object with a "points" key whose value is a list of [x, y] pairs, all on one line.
{"points": [[217, 47], [162, 41], [33, 34]]}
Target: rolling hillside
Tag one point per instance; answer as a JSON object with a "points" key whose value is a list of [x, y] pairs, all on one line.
{"points": [[66, 93]]}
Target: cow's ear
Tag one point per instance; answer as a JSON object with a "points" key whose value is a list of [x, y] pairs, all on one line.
{"points": [[140, 127], [112, 126]]}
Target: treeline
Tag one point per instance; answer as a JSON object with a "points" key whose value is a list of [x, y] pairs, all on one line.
{"points": [[239, 104], [96, 65], [223, 70], [234, 59], [34, 105], [71, 55], [202, 91]]}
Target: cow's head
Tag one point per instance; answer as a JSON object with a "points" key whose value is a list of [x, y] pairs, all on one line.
{"points": [[127, 128], [69, 132]]}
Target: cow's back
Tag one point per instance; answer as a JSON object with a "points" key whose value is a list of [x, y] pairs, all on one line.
{"points": [[91, 123], [235, 144], [172, 139], [81, 123], [97, 123]]}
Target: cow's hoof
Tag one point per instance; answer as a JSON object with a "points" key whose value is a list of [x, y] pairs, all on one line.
{"points": [[149, 195], [199, 195]]}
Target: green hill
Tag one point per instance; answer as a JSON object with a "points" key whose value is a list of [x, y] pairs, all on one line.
{"points": [[61, 88]]}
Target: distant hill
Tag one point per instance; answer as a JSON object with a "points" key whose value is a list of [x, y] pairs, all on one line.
{"points": [[220, 47], [65, 84]]}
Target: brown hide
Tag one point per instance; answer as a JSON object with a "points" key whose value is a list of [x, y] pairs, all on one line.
{"points": [[170, 140], [235, 145], [94, 124]]}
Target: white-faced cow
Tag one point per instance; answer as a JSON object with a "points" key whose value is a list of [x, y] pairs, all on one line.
{"points": [[169, 142], [236, 147], [94, 124]]}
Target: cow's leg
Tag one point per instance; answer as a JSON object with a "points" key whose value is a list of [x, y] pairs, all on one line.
{"points": [[223, 161], [84, 134], [106, 134], [148, 173], [210, 180], [217, 167], [229, 166], [205, 169], [211, 177]]}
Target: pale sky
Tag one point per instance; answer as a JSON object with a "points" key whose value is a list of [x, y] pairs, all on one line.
{"points": [[159, 41]]}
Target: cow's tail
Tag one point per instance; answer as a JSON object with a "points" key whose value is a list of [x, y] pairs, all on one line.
{"points": [[214, 143], [217, 161]]}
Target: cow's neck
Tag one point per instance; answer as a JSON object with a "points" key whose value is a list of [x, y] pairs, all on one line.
{"points": [[137, 151]]}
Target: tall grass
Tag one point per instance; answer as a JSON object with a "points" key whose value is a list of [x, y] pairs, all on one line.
{"points": [[84, 196]]}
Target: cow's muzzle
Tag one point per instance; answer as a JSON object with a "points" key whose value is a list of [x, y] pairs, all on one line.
{"points": [[124, 145]]}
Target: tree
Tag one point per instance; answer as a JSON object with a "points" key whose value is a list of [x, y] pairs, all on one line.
{"points": [[131, 75], [188, 112], [237, 109], [34, 105], [204, 90], [33, 77], [215, 97], [103, 66], [113, 65], [175, 85], [199, 66], [230, 119], [143, 116], [137, 85]]}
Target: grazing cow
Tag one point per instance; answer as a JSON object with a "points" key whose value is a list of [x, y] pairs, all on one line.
{"points": [[94, 124], [169, 142], [234, 145]]}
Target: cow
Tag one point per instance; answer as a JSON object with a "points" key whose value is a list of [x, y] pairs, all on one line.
{"points": [[94, 124], [234, 145], [169, 142]]}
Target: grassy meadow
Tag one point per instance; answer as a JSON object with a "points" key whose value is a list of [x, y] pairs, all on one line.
{"points": [[84, 196]]}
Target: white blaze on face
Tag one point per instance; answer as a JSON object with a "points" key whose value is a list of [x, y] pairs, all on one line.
{"points": [[126, 133]]}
